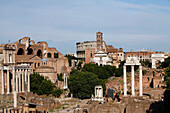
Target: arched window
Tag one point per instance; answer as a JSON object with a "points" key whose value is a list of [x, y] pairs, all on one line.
{"points": [[55, 55], [30, 51], [39, 53], [38, 64], [20, 52], [35, 65], [49, 55]]}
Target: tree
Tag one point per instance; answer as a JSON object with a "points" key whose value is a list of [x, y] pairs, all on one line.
{"points": [[42, 86], [82, 84], [119, 72], [166, 63], [103, 72]]}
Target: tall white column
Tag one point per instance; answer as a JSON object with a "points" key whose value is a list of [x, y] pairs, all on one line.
{"points": [[140, 81], [28, 81], [13, 79], [2, 73], [19, 80], [132, 80], [125, 82], [17, 74], [8, 82], [15, 99], [23, 85], [26, 75], [66, 81]]}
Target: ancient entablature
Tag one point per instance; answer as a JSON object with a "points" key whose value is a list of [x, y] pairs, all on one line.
{"points": [[20, 59]]}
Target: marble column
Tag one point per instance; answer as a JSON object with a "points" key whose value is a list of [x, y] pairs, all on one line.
{"points": [[28, 81], [15, 99], [140, 81], [17, 74], [13, 71], [23, 83], [19, 80], [2, 73], [132, 80], [125, 80], [8, 82], [26, 75]]}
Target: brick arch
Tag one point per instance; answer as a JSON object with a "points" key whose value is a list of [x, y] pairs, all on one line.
{"points": [[20, 51], [39, 53], [30, 51]]}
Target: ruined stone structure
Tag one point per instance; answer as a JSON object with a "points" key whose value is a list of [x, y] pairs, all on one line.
{"points": [[18, 60], [132, 61], [98, 94], [14, 77]]}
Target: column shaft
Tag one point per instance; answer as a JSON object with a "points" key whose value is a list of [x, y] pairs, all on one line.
{"points": [[26, 75], [23, 85], [140, 81], [8, 82], [28, 81], [2, 71], [125, 81], [132, 80], [64, 80], [17, 74], [13, 79], [19, 80]]}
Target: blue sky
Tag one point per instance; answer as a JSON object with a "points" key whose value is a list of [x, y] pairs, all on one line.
{"points": [[130, 24]]}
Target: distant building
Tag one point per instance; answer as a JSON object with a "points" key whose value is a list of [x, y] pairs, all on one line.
{"points": [[141, 55], [101, 58], [86, 50]]}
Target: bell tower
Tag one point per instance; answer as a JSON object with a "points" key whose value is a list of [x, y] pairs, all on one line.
{"points": [[99, 40]]}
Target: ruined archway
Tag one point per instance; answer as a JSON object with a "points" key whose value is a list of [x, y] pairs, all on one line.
{"points": [[30, 51], [39, 53], [20, 51]]}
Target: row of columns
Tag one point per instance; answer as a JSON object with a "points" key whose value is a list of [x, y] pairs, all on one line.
{"points": [[132, 80], [18, 81]]}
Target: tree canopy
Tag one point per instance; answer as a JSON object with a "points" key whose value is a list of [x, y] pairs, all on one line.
{"points": [[82, 84], [166, 63], [42, 86], [103, 72]]}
